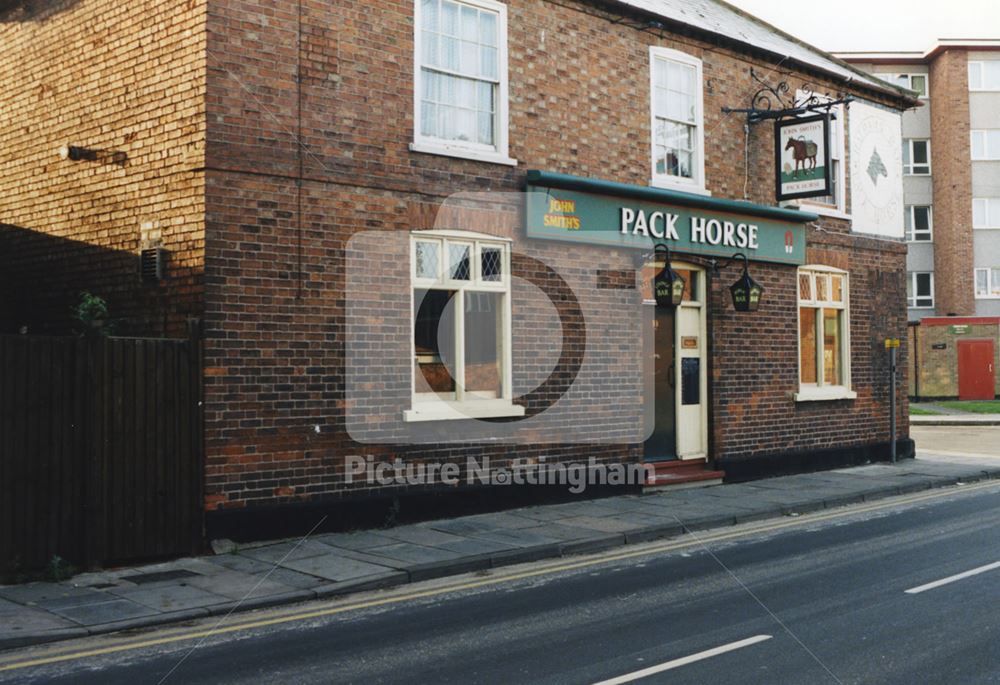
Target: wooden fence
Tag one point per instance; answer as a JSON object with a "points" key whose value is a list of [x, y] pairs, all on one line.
{"points": [[100, 450]]}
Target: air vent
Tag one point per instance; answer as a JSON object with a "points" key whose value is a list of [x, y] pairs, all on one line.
{"points": [[152, 263]]}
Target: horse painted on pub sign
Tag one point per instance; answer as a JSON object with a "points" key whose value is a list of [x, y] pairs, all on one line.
{"points": [[804, 153]]}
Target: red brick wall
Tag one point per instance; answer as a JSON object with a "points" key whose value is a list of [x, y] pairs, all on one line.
{"points": [[119, 77], [276, 316]]}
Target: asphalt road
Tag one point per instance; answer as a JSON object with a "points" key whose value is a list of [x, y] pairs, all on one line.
{"points": [[819, 599]]}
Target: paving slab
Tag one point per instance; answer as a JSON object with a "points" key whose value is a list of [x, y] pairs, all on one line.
{"points": [[288, 551], [417, 535], [262, 569], [337, 567], [413, 554], [505, 520], [111, 610], [474, 546], [32, 593], [463, 526], [610, 524], [171, 598], [360, 540], [233, 585], [528, 537]]}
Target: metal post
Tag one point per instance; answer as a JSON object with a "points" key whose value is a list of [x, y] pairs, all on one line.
{"points": [[892, 404]]}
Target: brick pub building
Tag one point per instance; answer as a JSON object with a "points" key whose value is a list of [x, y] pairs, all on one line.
{"points": [[333, 182]]}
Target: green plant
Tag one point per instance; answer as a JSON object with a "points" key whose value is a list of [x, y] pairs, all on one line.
{"points": [[91, 315], [59, 569], [392, 515]]}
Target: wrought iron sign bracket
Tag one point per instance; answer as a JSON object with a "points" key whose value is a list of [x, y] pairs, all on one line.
{"points": [[772, 103]]}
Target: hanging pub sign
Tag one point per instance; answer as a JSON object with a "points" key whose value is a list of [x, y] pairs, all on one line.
{"points": [[802, 157]]}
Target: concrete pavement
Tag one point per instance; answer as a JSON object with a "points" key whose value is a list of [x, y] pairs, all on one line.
{"points": [[334, 564], [898, 591]]}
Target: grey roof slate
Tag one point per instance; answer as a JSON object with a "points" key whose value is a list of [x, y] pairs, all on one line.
{"points": [[725, 20]]}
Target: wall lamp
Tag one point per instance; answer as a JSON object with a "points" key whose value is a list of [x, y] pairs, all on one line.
{"points": [[745, 291], [668, 285]]}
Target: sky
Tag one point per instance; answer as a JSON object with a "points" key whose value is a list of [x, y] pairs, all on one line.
{"points": [[880, 25]]}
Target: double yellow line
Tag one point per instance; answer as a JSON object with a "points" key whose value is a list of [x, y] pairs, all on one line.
{"points": [[583, 562]]}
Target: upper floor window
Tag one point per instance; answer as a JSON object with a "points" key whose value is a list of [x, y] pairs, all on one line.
{"points": [[987, 283], [984, 75], [460, 89], [986, 144], [920, 290], [917, 82], [986, 212], [676, 120], [824, 334], [918, 223], [916, 157]]}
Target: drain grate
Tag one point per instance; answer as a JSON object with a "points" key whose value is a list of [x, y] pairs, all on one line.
{"points": [[156, 577]]}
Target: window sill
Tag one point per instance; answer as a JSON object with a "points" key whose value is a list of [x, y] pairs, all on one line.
{"points": [[666, 184], [462, 153], [826, 210], [836, 392], [452, 411]]}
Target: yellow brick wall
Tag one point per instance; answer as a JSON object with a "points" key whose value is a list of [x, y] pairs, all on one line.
{"points": [[126, 79]]}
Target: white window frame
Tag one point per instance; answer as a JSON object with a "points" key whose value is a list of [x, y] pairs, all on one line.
{"points": [[893, 77], [467, 404], [990, 285], [910, 211], [820, 391], [985, 133], [908, 169], [985, 203], [496, 154], [981, 66], [838, 151], [666, 181], [911, 302]]}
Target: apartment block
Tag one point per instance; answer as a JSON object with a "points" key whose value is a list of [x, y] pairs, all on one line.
{"points": [[951, 167]]}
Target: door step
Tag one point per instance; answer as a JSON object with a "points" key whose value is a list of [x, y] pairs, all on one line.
{"points": [[686, 473]]}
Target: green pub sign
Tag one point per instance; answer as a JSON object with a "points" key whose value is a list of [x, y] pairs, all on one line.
{"points": [[574, 209]]}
